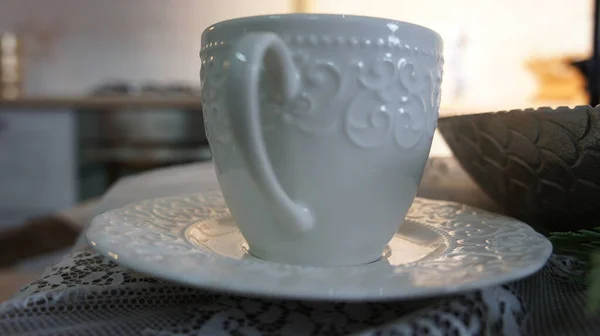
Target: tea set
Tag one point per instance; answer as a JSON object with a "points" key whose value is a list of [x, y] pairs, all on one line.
{"points": [[320, 127]]}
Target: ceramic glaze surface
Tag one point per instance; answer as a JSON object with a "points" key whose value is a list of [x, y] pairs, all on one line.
{"points": [[442, 248], [347, 107]]}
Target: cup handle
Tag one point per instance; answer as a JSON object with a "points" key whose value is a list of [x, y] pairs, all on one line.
{"points": [[245, 62]]}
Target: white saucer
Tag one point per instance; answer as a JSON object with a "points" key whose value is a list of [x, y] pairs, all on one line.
{"points": [[442, 248]]}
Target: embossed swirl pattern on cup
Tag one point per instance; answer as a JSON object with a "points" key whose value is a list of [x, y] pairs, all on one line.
{"points": [[392, 97]]}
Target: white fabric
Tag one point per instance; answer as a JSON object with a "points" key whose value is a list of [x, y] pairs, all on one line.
{"points": [[86, 294], [165, 182]]}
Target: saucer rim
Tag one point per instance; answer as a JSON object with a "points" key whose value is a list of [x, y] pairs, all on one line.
{"points": [[250, 290]]}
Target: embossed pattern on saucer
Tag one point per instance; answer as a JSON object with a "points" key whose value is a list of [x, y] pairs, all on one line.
{"points": [[442, 248]]}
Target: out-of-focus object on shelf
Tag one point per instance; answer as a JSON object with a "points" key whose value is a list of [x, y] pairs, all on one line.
{"points": [[558, 80], [26, 40], [304, 6], [135, 138], [590, 67], [128, 126], [11, 65], [567, 77]]}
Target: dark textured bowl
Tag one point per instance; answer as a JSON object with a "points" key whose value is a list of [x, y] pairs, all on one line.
{"points": [[541, 166]]}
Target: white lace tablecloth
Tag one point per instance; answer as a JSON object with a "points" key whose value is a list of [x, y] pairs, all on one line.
{"points": [[86, 294]]}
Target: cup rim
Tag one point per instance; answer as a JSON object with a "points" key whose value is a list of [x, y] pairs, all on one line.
{"points": [[320, 16]]}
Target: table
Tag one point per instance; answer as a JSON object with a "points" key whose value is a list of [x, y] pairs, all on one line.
{"points": [[85, 294]]}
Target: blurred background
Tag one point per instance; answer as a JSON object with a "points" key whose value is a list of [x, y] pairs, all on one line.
{"points": [[92, 91]]}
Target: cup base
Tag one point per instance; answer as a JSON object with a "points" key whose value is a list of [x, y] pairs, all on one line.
{"points": [[328, 261]]}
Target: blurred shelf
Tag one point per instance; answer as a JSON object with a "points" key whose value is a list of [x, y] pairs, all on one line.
{"points": [[101, 102], [106, 103], [152, 156]]}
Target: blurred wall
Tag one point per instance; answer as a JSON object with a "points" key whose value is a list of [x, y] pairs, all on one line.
{"points": [[487, 42], [92, 41]]}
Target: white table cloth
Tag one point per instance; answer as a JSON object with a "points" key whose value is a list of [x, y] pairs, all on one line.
{"points": [[86, 294]]}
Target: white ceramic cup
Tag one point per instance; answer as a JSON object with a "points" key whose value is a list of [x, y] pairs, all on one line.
{"points": [[320, 127]]}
